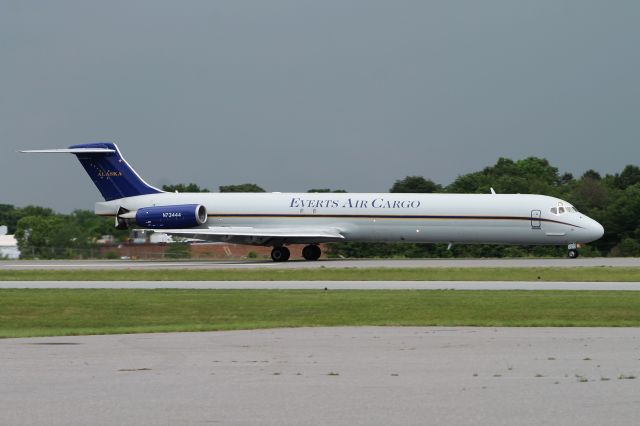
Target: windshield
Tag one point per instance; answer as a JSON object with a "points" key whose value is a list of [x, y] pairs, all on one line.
{"points": [[562, 208]]}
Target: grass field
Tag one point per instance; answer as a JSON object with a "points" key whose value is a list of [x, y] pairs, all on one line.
{"points": [[25, 313], [337, 274]]}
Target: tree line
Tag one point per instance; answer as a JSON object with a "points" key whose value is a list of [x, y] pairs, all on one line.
{"points": [[613, 200]]}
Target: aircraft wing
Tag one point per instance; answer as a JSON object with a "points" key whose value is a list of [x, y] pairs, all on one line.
{"points": [[251, 235]]}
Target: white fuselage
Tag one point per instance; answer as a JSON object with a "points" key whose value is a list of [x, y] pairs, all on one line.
{"points": [[389, 217]]}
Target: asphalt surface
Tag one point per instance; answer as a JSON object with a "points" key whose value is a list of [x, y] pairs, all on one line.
{"points": [[330, 285], [326, 376], [326, 263]]}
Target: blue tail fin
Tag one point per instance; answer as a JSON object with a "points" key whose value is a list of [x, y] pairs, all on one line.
{"points": [[111, 174]]}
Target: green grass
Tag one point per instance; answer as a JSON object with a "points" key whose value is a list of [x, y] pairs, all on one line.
{"points": [[56, 312], [333, 274]]}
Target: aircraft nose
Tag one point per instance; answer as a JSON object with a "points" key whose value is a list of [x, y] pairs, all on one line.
{"points": [[595, 230]]}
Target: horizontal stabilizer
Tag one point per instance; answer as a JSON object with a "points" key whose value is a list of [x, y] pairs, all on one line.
{"points": [[69, 151]]}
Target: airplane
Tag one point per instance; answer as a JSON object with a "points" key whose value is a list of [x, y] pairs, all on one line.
{"points": [[280, 219]]}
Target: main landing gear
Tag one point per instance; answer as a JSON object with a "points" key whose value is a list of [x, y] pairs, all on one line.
{"points": [[282, 254], [311, 252], [572, 251]]}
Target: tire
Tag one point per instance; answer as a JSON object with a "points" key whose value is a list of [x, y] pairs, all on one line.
{"points": [[572, 254], [311, 252], [280, 254]]}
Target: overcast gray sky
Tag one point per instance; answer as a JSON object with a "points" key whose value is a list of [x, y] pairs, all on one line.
{"points": [[293, 95]]}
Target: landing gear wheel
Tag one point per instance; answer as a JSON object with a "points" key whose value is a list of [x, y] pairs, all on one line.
{"points": [[311, 252], [572, 252], [280, 254]]}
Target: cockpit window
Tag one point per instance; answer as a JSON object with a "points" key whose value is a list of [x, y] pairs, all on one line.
{"points": [[561, 208]]}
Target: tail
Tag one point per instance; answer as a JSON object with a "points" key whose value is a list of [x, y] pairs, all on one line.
{"points": [[109, 171]]}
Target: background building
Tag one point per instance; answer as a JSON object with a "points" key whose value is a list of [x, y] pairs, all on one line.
{"points": [[8, 245]]}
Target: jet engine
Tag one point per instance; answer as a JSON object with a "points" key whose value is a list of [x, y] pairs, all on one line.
{"points": [[172, 217]]}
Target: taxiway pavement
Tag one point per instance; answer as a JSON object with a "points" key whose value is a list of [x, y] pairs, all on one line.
{"points": [[326, 376], [329, 285], [326, 263]]}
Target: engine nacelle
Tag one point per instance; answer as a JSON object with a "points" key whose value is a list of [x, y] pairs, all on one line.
{"points": [[178, 216]]}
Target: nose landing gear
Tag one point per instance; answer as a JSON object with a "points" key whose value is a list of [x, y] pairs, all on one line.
{"points": [[572, 251]]}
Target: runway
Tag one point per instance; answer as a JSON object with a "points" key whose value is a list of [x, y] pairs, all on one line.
{"points": [[337, 376], [326, 263], [327, 285]]}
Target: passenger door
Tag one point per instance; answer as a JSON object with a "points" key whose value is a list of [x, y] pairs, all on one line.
{"points": [[536, 223]]}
